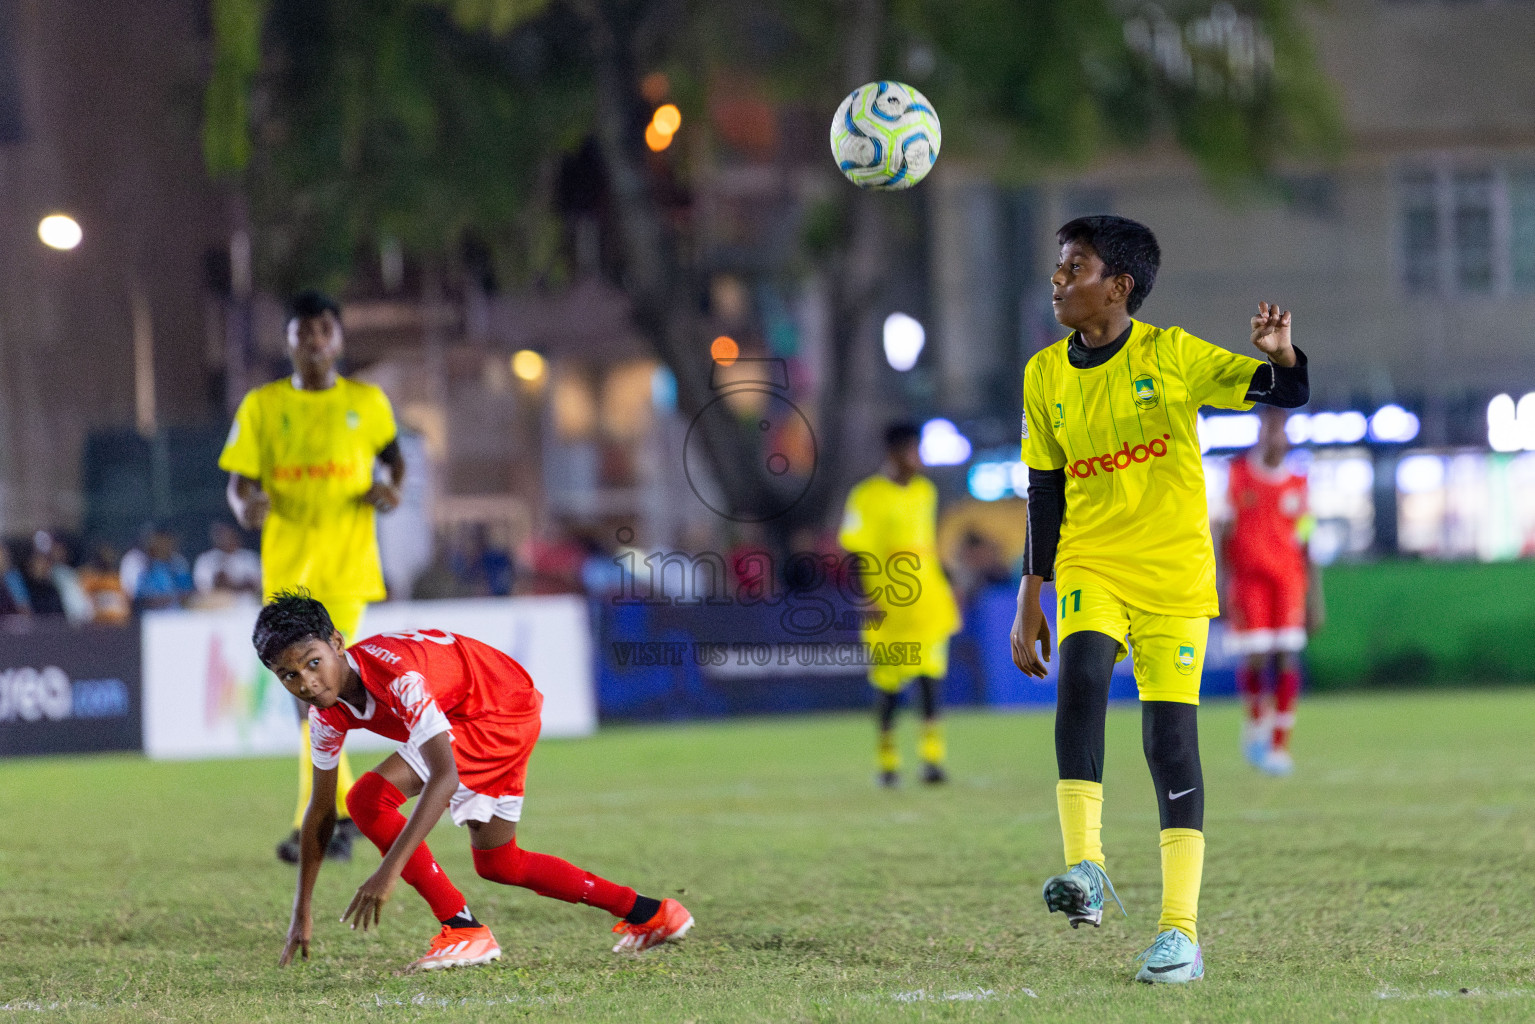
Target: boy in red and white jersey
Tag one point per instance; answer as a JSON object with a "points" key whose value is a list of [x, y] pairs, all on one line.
{"points": [[1271, 591], [467, 717]]}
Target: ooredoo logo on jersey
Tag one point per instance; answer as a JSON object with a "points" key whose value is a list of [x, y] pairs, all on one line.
{"points": [[1126, 457]]}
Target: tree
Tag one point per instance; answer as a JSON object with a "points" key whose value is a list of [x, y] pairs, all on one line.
{"points": [[436, 123]]}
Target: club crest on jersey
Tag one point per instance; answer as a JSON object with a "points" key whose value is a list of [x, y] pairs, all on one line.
{"points": [[352, 419], [1123, 459], [1185, 659], [1145, 391]]}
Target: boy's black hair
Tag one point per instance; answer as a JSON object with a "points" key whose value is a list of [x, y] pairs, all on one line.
{"points": [[291, 617], [312, 302], [1125, 247], [900, 434]]}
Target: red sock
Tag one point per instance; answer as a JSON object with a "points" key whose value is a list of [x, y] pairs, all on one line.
{"points": [[552, 877], [375, 805], [1286, 693], [1250, 686]]}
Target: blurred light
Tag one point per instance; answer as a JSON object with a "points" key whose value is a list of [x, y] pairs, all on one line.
{"points": [[656, 139], [1348, 427], [667, 119], [1393, 425], [1417, 474], [988, 480], [724, 351], [1020, 474], [529, 366], [1352, 427], [663, 389], [655, 86], [1525, 415], [904, 338], [1239, 431], [991, 481], [943, 445], [59, 231], [1502, 425]]}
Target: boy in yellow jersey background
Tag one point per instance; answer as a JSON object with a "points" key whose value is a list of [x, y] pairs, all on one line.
{"points": [[890, 524], [303, 459], [1118, 517]]}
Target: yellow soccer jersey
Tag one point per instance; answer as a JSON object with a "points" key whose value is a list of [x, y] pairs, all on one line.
{"points": [[899, 526], [314, 453], [1136, 512]]}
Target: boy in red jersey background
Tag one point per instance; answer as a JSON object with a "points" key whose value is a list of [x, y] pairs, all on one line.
{"points": [[467, 716], [1273, 597]]}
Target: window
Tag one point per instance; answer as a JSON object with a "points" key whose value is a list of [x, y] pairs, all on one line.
{"points": [[1466, 230]]}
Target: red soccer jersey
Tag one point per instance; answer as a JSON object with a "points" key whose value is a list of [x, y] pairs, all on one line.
{"points": [[1266, 509], [424, 683]]}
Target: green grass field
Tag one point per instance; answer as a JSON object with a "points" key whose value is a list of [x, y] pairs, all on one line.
{"points": [[1389, 879]]}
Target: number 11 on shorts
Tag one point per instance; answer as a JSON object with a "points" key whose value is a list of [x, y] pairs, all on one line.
{"points": [[1075, 597]]}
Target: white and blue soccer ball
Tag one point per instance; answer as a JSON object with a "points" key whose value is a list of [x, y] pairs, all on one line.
{"points": [[885, 136]]}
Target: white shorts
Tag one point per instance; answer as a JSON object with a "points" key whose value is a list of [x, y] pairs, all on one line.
{"points": [[466, 804], [1265, 641]]}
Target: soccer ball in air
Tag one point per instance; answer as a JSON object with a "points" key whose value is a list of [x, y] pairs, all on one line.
{"points": [[885, 136]]}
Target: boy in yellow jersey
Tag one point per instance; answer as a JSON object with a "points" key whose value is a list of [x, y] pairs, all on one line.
{"points": [[1118, 516], [303, 459], [890, 525]]}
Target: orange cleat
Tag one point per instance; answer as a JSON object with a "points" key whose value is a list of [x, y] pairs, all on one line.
{"points": [[459, 947], [669, 924]]}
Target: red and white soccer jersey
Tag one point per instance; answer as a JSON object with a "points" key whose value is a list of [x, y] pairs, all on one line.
{"points": [[421, 684], [1266, 558]]}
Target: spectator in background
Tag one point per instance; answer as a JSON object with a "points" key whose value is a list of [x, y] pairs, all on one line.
{"points": [[13, 587], [227, 568], [482, 568], [103, 588], [554, 562], [135, 561], [979, 564], [42, 595], [166, 580], [77, 606]]}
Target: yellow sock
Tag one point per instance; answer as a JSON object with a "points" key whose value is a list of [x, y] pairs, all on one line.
{"points": [[887, 755], [1080, 804], [1183, 869], [932, 748], [344, 779]]}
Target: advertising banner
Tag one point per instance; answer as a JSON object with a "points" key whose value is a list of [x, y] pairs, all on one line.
{"points": [[68, 691], [207, 695]]}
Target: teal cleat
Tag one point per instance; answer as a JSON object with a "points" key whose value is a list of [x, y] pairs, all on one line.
{"points": [[1079, 893], [1172, 959]]}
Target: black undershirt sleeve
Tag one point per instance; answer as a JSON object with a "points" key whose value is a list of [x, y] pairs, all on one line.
{"points": [[1047, 508], [1288, 387]]}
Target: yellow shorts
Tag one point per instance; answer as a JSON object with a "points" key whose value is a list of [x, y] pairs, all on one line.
{"points": [[1169, 649], [930, 658]]}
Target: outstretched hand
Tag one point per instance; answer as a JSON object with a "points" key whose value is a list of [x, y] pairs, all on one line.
{"points": [[367, 906], [299, 933], [1271, 334]]}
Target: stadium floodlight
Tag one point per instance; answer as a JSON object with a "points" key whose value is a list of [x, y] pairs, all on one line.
{"points": [[988, 480], [1420, 474], [1298, 428], [1524, 415], [59, 231], [904, 338], [943, 445], [1503, 425], [1392, 424], [1237, 431]]}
